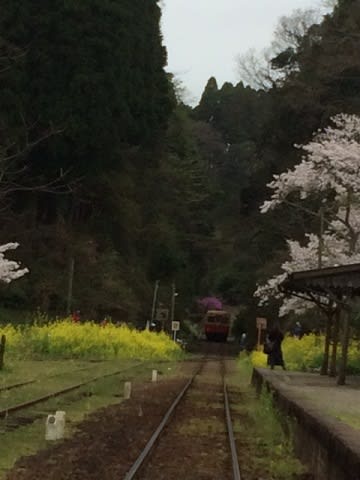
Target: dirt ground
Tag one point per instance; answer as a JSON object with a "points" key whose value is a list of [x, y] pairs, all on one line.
{"points": [[195, 445], [106, 444]]}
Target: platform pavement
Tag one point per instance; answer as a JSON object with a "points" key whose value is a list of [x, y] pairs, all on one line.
{"points": [[340, 402], [328, 414]]}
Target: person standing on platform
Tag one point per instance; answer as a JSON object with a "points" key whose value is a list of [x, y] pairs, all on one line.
{"points": [[273, 347], [298, 331]]}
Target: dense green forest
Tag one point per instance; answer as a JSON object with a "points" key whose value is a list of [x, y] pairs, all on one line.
{"points": [[107, 174]]}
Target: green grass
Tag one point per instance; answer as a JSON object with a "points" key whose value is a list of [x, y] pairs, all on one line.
{"points": [[53, 379], [16, 371], [350, 419], [202, 427], [78, 404], [258, 428]]}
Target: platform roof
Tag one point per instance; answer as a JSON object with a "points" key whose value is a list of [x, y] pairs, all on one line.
{"points": [[335, 281]]}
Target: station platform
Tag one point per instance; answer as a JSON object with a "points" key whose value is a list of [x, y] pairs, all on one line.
{"points": [[325, 416]]}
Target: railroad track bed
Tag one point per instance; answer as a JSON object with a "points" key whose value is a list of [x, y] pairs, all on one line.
{"points": [[27, 405], [193, 445], [195, 442], [107, 442]]}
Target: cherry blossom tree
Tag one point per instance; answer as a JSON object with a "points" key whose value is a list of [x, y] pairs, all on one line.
{"points": [[305, 257], [331, 162], [329, 170], [10, 269]]}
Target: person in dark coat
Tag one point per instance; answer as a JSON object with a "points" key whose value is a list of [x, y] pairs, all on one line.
{"points": [[298, 331], [275, 356]]}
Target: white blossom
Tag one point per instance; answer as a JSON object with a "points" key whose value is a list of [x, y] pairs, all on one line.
{"points": [[331, 164], [10, 269], [305, 257]]}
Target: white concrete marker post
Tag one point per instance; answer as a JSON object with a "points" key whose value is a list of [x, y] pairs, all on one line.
{"points": [[154, 375], [55, 426], [60, 417], [127, 390], [50, 428]]}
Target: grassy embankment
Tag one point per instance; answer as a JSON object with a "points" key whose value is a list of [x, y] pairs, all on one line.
{"points": [[63, 354], [265, 451], [306, 355]]}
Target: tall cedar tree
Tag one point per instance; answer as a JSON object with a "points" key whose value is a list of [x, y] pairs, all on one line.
{"points": [[93, 69]]}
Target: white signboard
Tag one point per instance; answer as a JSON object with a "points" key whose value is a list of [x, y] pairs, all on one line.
{"points": [[175, 326], [261, 323]]}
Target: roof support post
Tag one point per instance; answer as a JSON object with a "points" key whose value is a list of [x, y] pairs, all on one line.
{"points": [[344, 347]]}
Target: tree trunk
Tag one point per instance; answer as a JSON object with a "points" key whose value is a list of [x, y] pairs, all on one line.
{"points": [[325, 364], [70, 286], [336, 330], [344, 349], [2, 351]]}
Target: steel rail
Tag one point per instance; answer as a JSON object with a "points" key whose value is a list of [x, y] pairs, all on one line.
{"points": [[139, 461], [234, 456], [4, 412], [29, 382], [16, 385]]}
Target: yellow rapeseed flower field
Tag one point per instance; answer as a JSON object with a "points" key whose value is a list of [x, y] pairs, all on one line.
{"points": [[65, 339], [307, 354]]}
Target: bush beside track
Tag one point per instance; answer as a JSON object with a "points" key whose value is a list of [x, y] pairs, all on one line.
{"points": [[307, 354], [88, 341]]}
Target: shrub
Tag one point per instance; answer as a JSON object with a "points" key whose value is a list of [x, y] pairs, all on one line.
{"points": [[65, 339], [307, 354]]}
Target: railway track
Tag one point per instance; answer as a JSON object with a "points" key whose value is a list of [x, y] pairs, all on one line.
{"points": [[154, 462], [14, 386], [25, 406]]}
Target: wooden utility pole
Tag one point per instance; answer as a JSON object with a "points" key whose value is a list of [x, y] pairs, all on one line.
{"points": [[154, 303], [2, 351], [173, 295], [321, 237], [70, 286]]}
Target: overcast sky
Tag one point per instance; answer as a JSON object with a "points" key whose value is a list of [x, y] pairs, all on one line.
{"points": [[203, 37]]}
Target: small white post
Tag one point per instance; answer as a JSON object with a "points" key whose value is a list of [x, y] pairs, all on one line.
{"points": [[50, 428], [154, 375], [127, 390], [55, 426], [60, 423]]}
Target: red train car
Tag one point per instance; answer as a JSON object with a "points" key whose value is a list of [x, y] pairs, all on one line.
{"points": [[217, 325]]}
